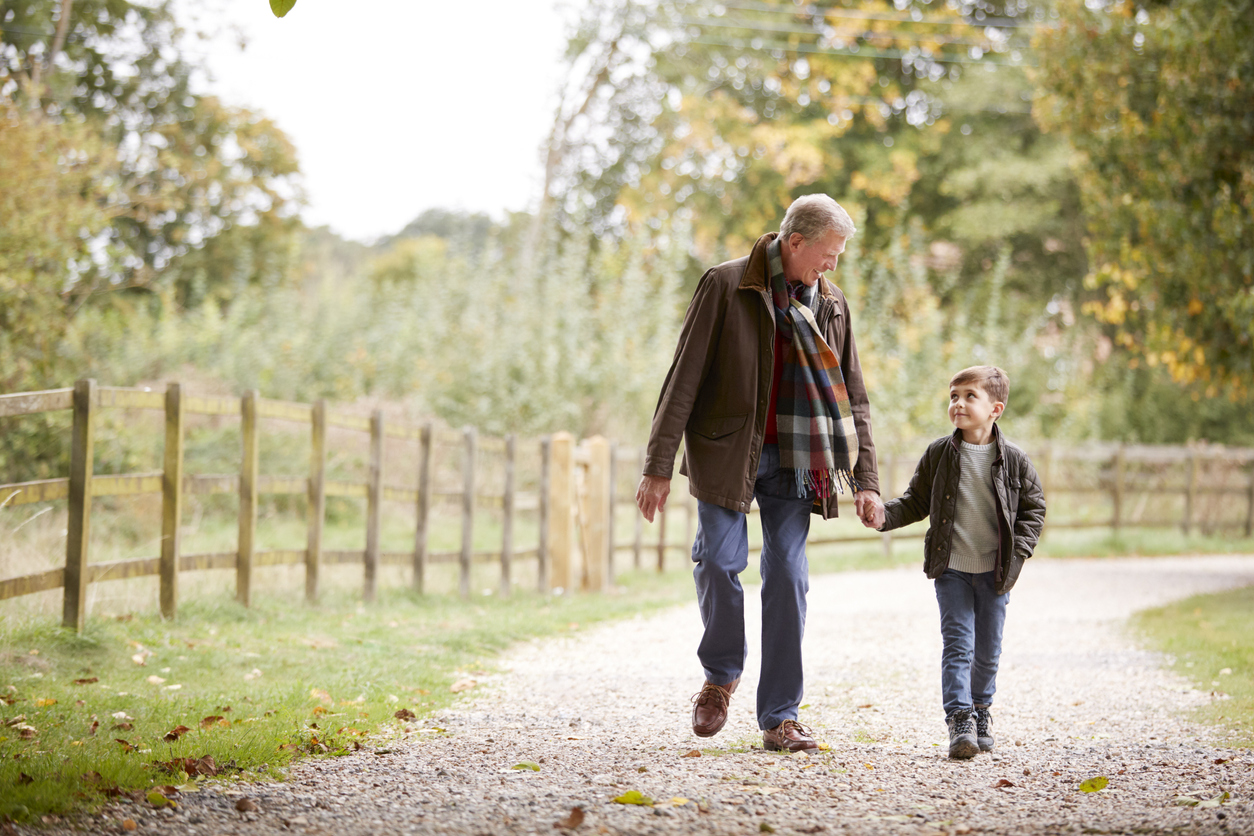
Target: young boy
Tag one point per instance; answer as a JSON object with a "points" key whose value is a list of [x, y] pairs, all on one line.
{"points": [[986, 509]]}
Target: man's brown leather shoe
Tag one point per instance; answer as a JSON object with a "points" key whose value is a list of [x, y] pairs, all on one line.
{"points": [[790, 736], [709, 707]]}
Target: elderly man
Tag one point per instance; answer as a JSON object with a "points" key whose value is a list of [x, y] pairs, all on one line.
{"points": [[767, 393]]}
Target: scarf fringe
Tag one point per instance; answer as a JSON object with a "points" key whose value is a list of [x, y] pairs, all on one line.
{"points": [[822, 482]]}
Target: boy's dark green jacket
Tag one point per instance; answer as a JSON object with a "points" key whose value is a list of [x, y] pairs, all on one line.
{"points": [[933, 493]]}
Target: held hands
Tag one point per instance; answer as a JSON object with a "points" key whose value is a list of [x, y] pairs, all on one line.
{"points": [[869, 508], [651, 495]]}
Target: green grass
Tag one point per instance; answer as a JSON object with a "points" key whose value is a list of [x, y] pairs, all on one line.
{"points": [[286, 681], [1133, 542], [1211, 641]]}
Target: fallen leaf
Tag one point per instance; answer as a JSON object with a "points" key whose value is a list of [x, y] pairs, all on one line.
{"points": [[23, 778], [1222, 760], [88, 681], [122, 727], [868, 705], [139, 659], [765, 828], [246, 805], [95, 724], [462, 685], [634, 797], [678, 801], [768, 790], [211, 720], [159, 799], [44, 703], [1095, 784], [175, 733], [129, 824], [572, 821], [691, 753], [1002, 782], [121, 715], [155, 680], [534, 767], [405, 714], [125, 744], [1214, 802]]}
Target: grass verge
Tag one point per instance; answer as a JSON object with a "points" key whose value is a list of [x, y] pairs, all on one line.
{"points": [[135, 703], [1211, 641]]}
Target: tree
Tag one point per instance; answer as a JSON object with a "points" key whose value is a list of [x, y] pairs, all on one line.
{"points": [[1158, 97], [198, 192]]}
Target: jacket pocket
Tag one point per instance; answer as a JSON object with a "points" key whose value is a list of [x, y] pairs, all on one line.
{"points": [[719, 426]]}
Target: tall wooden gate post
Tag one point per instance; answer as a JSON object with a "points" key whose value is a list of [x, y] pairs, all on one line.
{"points": [[78, 531], [468, 513], [171, 500], [424, 508], [247, 498], [507, 517], [317, 499], [374, 508], [561, 539], [890, 465], [596, 534], [543, 557]]}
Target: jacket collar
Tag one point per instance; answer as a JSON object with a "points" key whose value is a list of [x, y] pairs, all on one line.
{"points": [[756, 270], [955, 441]]}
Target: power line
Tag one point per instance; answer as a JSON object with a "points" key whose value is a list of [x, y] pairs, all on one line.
{"points": [[868, 34], [823, 11], [858, 53]]}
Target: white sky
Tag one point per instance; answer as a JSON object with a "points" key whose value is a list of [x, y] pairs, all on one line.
{"points": [[397, 106]]}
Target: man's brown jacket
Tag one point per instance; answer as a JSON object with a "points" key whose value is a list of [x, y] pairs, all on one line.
{"points": [[717, 392]]}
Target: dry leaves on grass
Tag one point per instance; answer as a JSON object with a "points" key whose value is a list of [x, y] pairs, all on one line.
{"points": [[175, 733], [1002, 782], [462, 685]]}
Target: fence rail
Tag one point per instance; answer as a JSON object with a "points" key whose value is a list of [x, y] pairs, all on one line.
{"points": [[575, 500]]}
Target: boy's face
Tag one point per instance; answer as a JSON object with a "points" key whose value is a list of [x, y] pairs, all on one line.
{"points": [[971, 409]]}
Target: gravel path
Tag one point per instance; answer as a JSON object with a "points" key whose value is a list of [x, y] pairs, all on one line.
{"points": [[605, 711]]}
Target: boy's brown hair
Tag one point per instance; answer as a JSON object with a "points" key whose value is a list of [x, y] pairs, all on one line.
{"points": [[991, 379]]}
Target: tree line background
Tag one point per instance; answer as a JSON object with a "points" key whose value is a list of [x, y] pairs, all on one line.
{"points": [[1063, 189]]}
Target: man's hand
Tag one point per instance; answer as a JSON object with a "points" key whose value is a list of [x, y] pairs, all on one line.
{"points": [[870, 508], [651, 495]]}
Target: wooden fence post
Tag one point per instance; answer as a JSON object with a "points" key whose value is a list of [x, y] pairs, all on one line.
{"points": [[507, 517], [374, 508], [78, 530], [1117, 495], [317, 510], [613, 501], [544, 514], [661, 541], [1190, 494], [247, 498], [597, 528], [1249, 506], [637, 545], [561, 496], [171, 500], [890, 465], [424, 508], [690, 518], [468, 513]]}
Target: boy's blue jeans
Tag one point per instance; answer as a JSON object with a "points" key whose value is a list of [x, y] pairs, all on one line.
{"points": [[721, 553], [972, 615]]}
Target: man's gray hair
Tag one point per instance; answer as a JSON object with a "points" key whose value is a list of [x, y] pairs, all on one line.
{"points": [[813, 215]]}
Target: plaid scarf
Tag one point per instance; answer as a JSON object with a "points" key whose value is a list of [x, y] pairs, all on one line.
{"points": [[817, 437]]}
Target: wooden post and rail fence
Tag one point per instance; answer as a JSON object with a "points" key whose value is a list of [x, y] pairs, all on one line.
{"points": [[578, 491]]}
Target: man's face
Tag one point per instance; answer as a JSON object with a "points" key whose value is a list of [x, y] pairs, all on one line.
{"points": [[809, 260]]}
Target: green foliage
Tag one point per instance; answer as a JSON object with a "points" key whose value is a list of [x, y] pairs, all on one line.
{"points": [[1156, 96], [118, 180], [281, 7]]}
